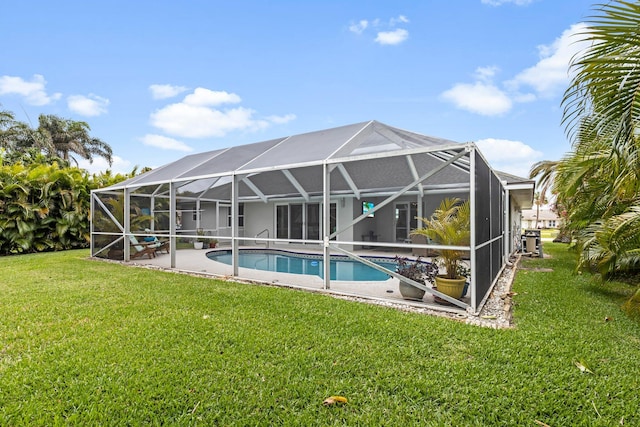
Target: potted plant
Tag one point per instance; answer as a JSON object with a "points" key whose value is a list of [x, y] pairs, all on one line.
{"points": [[213, 243], [199, 242], [449, 226], [417, 271]]}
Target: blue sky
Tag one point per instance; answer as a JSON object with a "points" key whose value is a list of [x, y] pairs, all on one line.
{"points": [[158, 80]]}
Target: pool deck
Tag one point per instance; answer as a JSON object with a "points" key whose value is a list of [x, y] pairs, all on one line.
{"points": [[196, 261]]}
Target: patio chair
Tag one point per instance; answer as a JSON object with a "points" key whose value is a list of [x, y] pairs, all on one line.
{"points": [[153, 241], [419, 239], [141, 249]]}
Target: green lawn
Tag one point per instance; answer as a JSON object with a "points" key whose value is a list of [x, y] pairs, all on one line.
{"points": [[93, 343], [549, 233]]}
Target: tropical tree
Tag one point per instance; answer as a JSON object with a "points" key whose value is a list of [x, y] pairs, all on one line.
{"points": [[449, 225], [58, 139], [544, 171], [63, 138], [7, 125], [539, 199], [43, 207], [46, 206], [597, 183], [6, 119]]}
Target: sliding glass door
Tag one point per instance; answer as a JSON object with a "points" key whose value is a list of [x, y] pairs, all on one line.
{"points": [[302, 220], [313, 221], [405, 220]]}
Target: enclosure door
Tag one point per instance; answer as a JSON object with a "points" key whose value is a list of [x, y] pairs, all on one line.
{"points": [[405, 220]]}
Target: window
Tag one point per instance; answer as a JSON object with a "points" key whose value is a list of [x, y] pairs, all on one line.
{"points": [[240, 216]]}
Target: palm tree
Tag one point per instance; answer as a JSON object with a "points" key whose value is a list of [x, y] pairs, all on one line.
{"points": [[539, 199], [6, 118], [63, 137], [603, 96], [598, 182], [544, 171], [449, 225], [7, 122]]}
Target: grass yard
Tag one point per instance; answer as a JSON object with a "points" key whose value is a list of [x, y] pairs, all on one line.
{"points": [[549, 233], [92, 343]]}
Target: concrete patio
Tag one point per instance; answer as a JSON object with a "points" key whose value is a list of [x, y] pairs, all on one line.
{"points": [[196, 261]]}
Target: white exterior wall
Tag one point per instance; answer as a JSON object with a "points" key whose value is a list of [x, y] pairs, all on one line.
{"points": [[515, 220], [259, 216], [208, 219]]}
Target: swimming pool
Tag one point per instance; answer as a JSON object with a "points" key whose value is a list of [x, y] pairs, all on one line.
{"points": [[342, 267]]}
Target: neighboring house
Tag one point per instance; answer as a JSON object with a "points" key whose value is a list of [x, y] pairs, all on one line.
{"points": [[335, 191], [545, 218]]}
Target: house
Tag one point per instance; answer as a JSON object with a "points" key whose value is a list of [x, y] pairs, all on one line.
{"points": [[338, 191], [542, 218]]}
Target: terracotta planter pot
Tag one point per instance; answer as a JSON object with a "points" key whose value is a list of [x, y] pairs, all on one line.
{"points": [[451, 287]]}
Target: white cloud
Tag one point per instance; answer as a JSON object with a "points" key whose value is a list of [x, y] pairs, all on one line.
{"points": [[547, 78], [33, 91], [481, 98], [506, 150], [387, 33], [165, 143], [392, 37], [501, 2], [400, 19], [280, 120], [90, 105], [486, 74], [197, 116], [523, 97], [202, 97], [99, 164], [199, 122], [359, 27], [509, 156], [551, 74], [166, 91]]}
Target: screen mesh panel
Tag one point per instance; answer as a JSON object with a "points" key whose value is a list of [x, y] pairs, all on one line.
{"points": [[489, 227], [483, 208]]}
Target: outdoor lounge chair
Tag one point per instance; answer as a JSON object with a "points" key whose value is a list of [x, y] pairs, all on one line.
{"points": [[418, 239], [141, 249], [153, 241]]}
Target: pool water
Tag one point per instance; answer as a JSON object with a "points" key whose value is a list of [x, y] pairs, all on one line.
{"points": [[342, 268]]}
